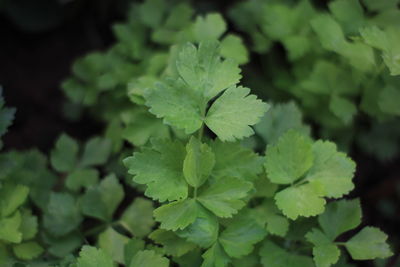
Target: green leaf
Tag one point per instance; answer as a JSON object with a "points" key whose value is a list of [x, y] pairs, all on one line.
{"points": [[160, 169], [62, 215], [63, 157], [81, 178], [389, 100], [96, 152], [278, 120], [203, 70], [368, 244], [9, 228], [374, 37], [113, 243], [349, 13], [232, 47], [332, 169], [329, 32], [240, 236], [232, 114], [342, 108], [339, 217], [210, 27], [203, 231], [234, 160], [215, 257], [63, 246], [177, 215], [274, 256], [177, 104], [198, 162], [151, 12], [325, 253], [138, 217], [224, 196], [11, 197], [93, 257], [131, 248], [269, 214], [29, 224], [289, 159], [173, 244], [28, 250], [304, 200], [102, 200], [148, 258]]}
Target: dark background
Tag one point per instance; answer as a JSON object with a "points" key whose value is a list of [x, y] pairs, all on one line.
{"points": [[40, 40]]}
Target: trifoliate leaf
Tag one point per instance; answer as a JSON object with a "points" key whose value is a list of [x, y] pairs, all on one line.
{"points": [[177, 215], [334, 170], [274, 256], [138, 217], [234, 160], [210, 27], [28, 250], [325, 253], [368, 244], [289, 159], [203, 231], [96, 152], [204, 71], [224, 196], [278, 120], [232, 47], [240, 236], [11, 197], [215, 257], [81, 178], [173, 244], [113, 243], [93, 257], [177, 104], [9, 228], [63, 157], [198, 163], [102, 200], [148, 258], [339, 217], [62, 215], [304, 200], [232, 114], [160, 169], [29, 224], [276, 224]]}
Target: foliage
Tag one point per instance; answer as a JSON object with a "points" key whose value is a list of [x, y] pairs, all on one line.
{"points": [[209, 175]]}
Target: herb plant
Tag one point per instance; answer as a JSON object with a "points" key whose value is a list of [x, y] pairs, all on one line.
{"points": [[193, 169]]}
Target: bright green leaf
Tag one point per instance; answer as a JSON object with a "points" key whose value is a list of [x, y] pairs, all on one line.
{"points": [[177, 215]]}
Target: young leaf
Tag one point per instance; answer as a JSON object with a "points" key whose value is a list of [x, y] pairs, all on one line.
{"points": [[93, 257], [63, 157], [232, 114], [204, 71], [11, 197], [224, 197], [29, 224], [28, 250], [368, 244], [131, 248], [289, 159], [325, 252], [81, 178], [9, 228], [148, 258], [339, 217], [160, 169], [96, 152], [232, 47], [198, 163], [177, 215], [210, 27]]}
